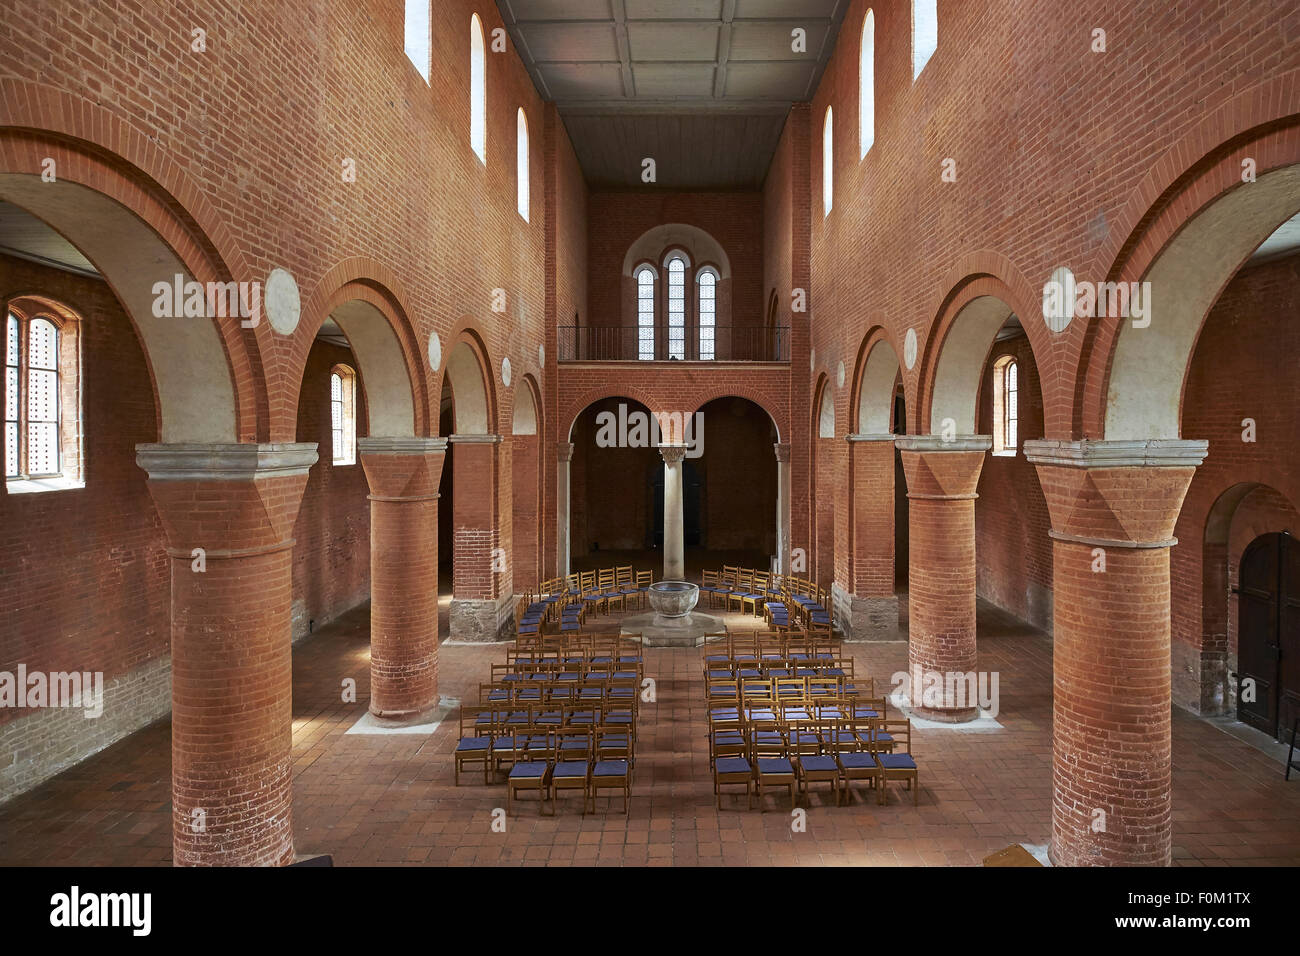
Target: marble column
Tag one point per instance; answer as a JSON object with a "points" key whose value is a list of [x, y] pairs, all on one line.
{"points": [[563, 457], [674, 516], [782, 508]]}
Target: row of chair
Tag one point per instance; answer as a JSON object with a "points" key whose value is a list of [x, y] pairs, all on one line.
{"points": [[565, 603], [784, 601]]}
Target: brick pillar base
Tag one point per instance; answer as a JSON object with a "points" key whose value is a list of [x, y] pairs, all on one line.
{"points": [[403, 474], [1113, 508], [941, 481], [228, 511]]}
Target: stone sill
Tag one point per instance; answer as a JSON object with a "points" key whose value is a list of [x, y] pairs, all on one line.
{"points": [[30, 486]]}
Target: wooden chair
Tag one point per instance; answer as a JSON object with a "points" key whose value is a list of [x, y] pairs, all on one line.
{"points": [[756, 597], [610, 775], [733, 771], [575, 749], [475, 743], [897, 764], [819, 767], [772, 765], [744, 585], [855, 752]]}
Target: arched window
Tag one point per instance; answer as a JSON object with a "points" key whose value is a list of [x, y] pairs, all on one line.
{"points": [[828, 163], [925, 33], [645, 314], [41, 402], [521, 162], [707, 280], [677, 265], [1006, 406], [477, 89], [343, 414], [867, 85], [418, 35]]}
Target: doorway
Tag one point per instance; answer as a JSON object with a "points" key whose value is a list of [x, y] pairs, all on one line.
{"points": [[1268, 651]]}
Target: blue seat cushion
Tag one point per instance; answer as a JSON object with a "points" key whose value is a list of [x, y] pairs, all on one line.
{"points": [[573, 744], [570, 769], [473, 745], [774, 765], [531, 770], [857, 761], [896, 761], [818, 764], [732, 765], [609, 768]]}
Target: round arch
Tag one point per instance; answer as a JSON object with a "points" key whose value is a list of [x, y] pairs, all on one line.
{"points": [[874, 376], [655, 244], [527, 416], [594, 395], [473, 392]]}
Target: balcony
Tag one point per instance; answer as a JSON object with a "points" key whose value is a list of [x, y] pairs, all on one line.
{"points": [[729, 343]]}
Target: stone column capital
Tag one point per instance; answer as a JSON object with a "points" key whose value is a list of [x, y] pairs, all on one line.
{"points": [[937, 443], [564, 451], [782, 452], [381, 445], [875, 438], [474, 439], [673, 454], [186, 461], [1151, 453]]}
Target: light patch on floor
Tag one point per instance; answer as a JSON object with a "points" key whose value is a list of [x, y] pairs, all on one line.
{"points": [[983, 724], [1038, 852], [370, 724]]}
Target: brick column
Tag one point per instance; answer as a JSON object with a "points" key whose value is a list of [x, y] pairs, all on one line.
{"points": [[403, 474], [481, 598], [941, 479], [869, 611], [229, 511], [1113, 506], [527, 514]]}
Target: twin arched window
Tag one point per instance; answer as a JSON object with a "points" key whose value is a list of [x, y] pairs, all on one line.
{"points": [[343, 414], [677, 267]]}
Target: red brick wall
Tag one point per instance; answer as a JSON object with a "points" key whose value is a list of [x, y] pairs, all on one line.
{"points": [[331, 553], [84, 581], [617, 219], [1243, 367], [1014, 566]]}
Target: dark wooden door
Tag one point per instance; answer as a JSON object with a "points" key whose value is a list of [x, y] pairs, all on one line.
{"points": [[1268, 633]]}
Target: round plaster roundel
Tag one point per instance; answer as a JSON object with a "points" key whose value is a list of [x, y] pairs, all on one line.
{"points": [[1058, 299], [839, 376], [909, 348], [281, 301], [435, 351], [541, 356], [505, 372]]}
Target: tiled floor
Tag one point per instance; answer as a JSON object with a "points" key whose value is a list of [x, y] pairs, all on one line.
{"points": [[390, 799]]}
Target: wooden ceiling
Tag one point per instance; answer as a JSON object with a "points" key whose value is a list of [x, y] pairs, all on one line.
{"points": [[700, 86]]}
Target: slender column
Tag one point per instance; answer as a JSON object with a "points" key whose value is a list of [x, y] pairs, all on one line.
{"points": [[674, 519], [872, 607], [941, 479], [782, 508], [1113, 506], [563, 458], [229, 511], [403, 474]]}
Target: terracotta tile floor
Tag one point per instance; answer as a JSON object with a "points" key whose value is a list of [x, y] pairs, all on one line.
{"points": [[390, 799]]}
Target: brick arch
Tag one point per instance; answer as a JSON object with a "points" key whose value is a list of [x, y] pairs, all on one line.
{"points": [[95, 150], [465, 334], [585, 400], [980, 285], [750, 395], [380, 360], [1200, 170], [868, 383]]}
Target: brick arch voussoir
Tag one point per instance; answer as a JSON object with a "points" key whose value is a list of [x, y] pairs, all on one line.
{"points": [[500, 407], [584, 400], [1262, 123], [98, 149], [877, 332]]}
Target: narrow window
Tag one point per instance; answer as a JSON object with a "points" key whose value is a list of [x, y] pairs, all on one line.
{"points": [[521, 161], [418, 35], [645, 313], [925, 33], [477, 89], [13, 397], [343, 414], [41, 435], [1006, 406], [677, 306], [708, 311], [828, 163], [867, 85]]}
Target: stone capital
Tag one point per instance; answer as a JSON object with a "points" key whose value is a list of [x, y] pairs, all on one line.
{"points": [[564, 451], [1152, 453], [401, 446], [224, 462], [875, 438], [937, 443], [474, 439], [673, 454], [782, 452]]}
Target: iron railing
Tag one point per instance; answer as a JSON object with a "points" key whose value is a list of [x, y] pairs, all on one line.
{"points": [[727, 343]]}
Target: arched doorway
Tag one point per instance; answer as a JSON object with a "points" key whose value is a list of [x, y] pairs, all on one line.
{"points": [[1268, 652]]}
